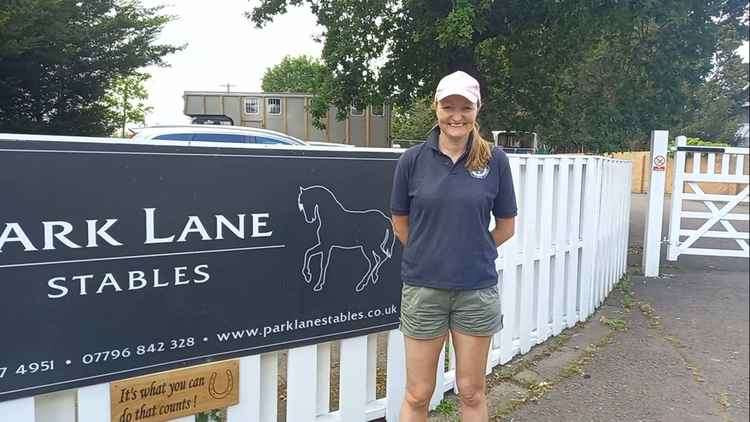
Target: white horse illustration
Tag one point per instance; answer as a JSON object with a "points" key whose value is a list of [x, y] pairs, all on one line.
{"points": [[319, 204]]}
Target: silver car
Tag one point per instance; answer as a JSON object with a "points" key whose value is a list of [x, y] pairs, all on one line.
{"points": [[215, 133]]}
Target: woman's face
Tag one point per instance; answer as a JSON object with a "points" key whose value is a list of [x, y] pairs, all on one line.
{"points": [[456, 116]]}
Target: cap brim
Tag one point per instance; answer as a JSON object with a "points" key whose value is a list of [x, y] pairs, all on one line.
{"points": [[463, 93]]}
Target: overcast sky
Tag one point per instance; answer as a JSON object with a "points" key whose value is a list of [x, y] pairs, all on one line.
{"points": [[225, 47]]}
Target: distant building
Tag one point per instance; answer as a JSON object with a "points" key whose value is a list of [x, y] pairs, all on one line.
{"points": [[288, 113]]}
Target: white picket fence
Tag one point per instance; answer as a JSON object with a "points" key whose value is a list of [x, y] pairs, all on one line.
{"points": [[569, 250]]}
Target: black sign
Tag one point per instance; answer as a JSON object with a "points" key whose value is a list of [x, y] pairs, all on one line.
{"points": [[118, 260]]}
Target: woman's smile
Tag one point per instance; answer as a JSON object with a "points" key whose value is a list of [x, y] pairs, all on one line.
{"points": [[456, 116]]}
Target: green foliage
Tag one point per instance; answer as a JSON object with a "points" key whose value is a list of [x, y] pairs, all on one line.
{"points": [[216, 415], [302, 74], [625, 286], [125, 99], [359, 31], [591, 76], [413, 123], [447, 407], [699, 143], [616, 324], [59, 58], [458, 27], [715, 111], [705, 143]]}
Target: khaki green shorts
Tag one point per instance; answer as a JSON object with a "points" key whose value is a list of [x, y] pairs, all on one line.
{"points": [[428, 313]]}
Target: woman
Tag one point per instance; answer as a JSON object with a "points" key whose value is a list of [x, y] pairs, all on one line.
{"points": [[443, 193]]}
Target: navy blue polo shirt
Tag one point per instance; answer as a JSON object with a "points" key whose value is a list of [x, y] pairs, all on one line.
{"points": [[449, 209]]}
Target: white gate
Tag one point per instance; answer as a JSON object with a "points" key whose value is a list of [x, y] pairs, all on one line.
{"points": [[688, 192]]}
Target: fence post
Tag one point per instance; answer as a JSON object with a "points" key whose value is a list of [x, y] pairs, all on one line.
{"points": [[396, 379], [302, 382], [652, 235], [249, 406], [22, 410], [93, 403], [674, 217]]}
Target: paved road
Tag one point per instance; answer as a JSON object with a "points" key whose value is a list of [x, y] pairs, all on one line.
{"points": [[684, 357]]}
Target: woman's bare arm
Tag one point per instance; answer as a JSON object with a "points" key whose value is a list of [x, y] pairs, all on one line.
{"points": [[504, 230], [401, 227]]}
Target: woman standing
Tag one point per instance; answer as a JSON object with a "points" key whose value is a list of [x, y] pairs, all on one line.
{"points": [[444, 191]]}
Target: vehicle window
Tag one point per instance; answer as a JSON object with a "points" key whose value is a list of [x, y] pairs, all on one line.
{"points": [[175, 137], [220, 137], [267, 140]]}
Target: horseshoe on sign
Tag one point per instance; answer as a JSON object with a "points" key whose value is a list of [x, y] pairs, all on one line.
{"points": [[212, 386]]}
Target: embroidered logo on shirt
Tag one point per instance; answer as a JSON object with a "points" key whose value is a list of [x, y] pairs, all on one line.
{"points": [[481, 173]]}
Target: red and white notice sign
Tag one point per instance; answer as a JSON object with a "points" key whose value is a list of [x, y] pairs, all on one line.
{"points": [[660, 163]]}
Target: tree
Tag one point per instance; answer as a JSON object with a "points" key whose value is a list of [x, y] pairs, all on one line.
{"points": [[58, 58], [584, 75], [125, 100], [413, 123], [302, 74], [716, 109]]}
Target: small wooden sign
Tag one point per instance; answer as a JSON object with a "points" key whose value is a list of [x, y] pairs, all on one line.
{"points": [[173, 394]]}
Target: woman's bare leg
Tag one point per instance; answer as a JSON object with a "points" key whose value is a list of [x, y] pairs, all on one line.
{"points": [[421, 368], [471, 362]]}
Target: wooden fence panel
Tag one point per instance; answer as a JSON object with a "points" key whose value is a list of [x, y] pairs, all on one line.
{"points": [[396, 380], [543, 326], [510, 280], [584, 271], [528, 211], [372, 367], [59, 406], [302, 382], [572, 261], [449, 356], [93, 403], [625, 240], [248, 408], [605, 235], [22, 410], [352, 385], [324, 377], [440, 387], [269, 379], [562, 245]]}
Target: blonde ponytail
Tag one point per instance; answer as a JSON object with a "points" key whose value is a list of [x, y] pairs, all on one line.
{"points": [[480, 153]]}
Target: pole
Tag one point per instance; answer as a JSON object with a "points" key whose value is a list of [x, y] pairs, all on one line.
{"points": [[652, 235]]}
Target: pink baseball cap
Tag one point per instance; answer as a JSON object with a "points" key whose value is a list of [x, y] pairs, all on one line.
{"points": [[459, 83]]}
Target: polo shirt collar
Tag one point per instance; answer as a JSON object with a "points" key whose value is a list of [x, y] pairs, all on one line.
{"points": [[433, 137]]}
